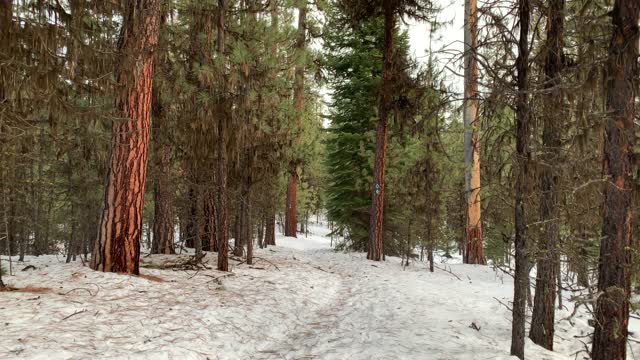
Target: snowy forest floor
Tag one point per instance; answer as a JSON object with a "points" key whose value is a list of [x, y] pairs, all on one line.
{"points": [[300, 300]]}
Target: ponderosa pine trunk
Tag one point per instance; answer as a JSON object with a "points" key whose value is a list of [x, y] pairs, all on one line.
{"points": [[474, 252], [521, 279], [543, 318], [614, 278], [118, 244], [223, 232], [376, 218], [298, 94]]}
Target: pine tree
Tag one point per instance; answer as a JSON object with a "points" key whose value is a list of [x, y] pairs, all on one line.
{"points": [[542, 321], [388, 9], [614, 277], [298, 95], [473, 252], [521, 277], [117, 248]]}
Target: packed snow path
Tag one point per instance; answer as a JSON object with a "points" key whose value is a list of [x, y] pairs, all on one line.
{"points": [[300, 300]]}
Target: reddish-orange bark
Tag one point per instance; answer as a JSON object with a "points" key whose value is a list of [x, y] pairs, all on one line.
{"points": [[376, 218], [298, 94], [118, 245]]}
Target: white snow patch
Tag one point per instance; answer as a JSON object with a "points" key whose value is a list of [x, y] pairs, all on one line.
{"points": [[300, 300]]}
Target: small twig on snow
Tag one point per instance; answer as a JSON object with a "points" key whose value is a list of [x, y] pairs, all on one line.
{"points": [[449, 271], [75, 313]]}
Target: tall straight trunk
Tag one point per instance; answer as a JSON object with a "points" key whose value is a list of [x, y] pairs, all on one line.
{"points": [[223, 233], [118, 245], [521, 280], [298, 94], [542, 321], [377, 204], [614, 278], [39, 247], [163, 216], [474, 253], [6, 14]]}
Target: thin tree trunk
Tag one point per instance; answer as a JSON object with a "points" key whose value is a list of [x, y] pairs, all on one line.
{"points": [[197, 243], [290, 225], [261, 232], [614, 279], [521, 280], [430, 246], [249, 231], [270, 227], [72, 237], [559, 285], [408, 250], [223, 240], [582, 269], [163, 217], [210, 221], [6, 17], [118, 245], [298, 94], [376, 219], [240, 227], [543, 318], [474, 253], [191, 220]]}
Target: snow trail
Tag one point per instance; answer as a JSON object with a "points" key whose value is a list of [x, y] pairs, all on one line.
{"points": [[317, 304]]}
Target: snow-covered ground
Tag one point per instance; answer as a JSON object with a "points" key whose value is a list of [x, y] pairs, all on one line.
{"points": [[300, 300]]}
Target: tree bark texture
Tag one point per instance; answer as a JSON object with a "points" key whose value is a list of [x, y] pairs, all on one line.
{"points": [[163, 216], [376, 218], [223, 232], [474, 253], [543, 318], [118, 244], [521, 280], [298, 94], [614, 279]]}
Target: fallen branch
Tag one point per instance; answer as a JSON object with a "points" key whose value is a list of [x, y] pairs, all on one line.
{"points": [[449, 271], [75, 313], [503, 304], [217, 278], [72, 290]]}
